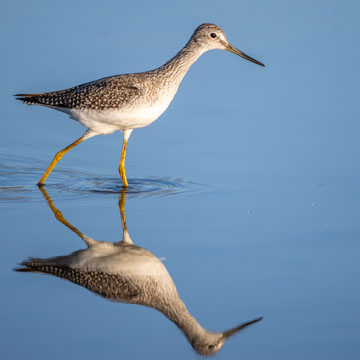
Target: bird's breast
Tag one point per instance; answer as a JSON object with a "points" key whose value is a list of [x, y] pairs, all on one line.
{"points": [[106, 121], [109, 259]]}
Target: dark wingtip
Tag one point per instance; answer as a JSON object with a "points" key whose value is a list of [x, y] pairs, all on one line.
{"points": [[25, 95], [25, 268], [27, 98], [21, 96], [22, 270]]}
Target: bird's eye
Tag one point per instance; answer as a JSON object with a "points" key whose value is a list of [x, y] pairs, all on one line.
{"points": [[213, 35], [211, 347]]}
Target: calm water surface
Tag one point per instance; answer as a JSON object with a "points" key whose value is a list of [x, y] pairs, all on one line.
{"points": [[280, 248], [247, 188]]}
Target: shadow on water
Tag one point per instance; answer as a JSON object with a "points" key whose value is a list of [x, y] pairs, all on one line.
{"points": [[127, 273], [18, 183]]}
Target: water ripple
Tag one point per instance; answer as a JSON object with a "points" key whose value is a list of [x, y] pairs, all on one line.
{"points": [[18, 183]]}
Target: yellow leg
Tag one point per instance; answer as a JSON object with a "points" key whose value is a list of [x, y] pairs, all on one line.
{"points": [[58, 157], [122, 171]]}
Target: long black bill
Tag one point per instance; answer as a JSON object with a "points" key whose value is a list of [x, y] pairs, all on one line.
{"points": [[236, 51], [242, 326]]}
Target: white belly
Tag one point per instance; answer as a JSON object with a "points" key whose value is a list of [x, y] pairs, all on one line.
{"points": [[110, 120]]}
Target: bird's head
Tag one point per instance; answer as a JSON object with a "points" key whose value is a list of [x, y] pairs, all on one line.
{"points": [[211, 342], [211, 36]]}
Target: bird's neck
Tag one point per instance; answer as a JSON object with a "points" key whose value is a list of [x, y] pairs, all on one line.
{"points": [[176, 311], [176, 68]]}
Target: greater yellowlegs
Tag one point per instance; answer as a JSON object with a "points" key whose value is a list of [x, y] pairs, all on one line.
{"points": [[131, 274], [129, 101]]}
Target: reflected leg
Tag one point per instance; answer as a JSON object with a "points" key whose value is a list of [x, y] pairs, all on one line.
{"points": [[126, 237], [59, 216], [122, 210]]}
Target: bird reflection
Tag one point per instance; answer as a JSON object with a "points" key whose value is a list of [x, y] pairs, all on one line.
{"points": [[128, 273]]}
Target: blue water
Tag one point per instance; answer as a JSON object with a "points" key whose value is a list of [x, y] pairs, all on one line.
{"points": [[247, 187]]}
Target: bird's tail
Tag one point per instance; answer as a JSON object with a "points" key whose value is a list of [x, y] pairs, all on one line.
{"points": [[30, 99], [37, 265]]}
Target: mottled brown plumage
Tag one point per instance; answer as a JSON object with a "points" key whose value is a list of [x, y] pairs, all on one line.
{"points": [[107, 93], [110, 286], [117, 91]]}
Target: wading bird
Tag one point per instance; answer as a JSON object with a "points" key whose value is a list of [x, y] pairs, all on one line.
{"points": [[129, 101]]}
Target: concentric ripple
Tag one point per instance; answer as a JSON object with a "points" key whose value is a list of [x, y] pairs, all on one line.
{"points": [[86, 184], [18, 183]]}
